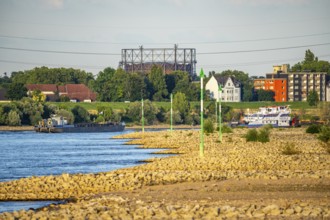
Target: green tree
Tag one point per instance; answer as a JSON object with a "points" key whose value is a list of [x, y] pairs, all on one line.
{"points": [[29, 109], [68, 115], [157, 80], [134, 112], [265, 95], [38, 96], [16, 91], [311, 63], [13, 118], [313, 98], [101, 84], [80, 114], [181, 105]]}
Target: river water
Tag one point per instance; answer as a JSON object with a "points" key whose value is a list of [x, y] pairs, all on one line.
{"points": [[27, 153]]}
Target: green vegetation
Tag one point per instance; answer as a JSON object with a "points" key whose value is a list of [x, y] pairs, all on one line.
{"points": [[226, 129], [208, 126], [258, 136], [313, 129], [251, 135], [324, 134], [289, 149]]}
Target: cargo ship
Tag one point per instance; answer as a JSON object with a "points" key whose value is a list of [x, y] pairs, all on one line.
{"points": [[59, 124]]}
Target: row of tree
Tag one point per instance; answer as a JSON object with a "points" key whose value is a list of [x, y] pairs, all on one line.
{"points": [[29, 112]]}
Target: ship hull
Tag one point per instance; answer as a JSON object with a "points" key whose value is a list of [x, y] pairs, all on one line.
{"points": [[81, 129]]}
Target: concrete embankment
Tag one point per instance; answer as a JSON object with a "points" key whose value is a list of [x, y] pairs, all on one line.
{"points": [[189, 186]]}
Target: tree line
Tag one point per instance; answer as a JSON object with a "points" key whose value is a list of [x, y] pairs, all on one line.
{"points": [[28, 111]]}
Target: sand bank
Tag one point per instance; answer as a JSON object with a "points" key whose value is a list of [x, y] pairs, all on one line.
{"points": [[234, 179]]}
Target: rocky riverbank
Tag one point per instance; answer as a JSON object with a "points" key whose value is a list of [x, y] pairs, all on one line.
{"points": [[234, 179]]}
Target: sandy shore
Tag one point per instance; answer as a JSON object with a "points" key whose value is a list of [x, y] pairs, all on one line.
{"points": [[16, 128], [235, 179]]}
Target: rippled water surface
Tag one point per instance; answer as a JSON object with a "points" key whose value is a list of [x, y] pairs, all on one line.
{"points": [[27, 153]]}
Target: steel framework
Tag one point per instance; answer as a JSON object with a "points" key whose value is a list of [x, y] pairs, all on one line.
{"points": [[170, 59]]}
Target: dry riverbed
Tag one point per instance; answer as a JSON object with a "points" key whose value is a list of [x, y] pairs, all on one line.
{"points": [[234, 179]]}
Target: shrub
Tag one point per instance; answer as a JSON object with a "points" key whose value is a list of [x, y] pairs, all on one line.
{"points": [[313, 129], [268, 126], [324, 134], [263, 135], [252, 135], [226, 129], [208, 126], [289, 149]]}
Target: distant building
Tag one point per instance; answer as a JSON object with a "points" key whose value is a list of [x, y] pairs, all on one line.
{"points": [[300, 84], [277, 85], [328, 92], [75, 92], [231, 88]]}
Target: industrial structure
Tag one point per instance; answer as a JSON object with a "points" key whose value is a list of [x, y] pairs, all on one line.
{"points": [[170, 59]]}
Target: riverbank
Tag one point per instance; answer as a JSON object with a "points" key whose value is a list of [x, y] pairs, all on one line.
{"points": [[16, 128], [234, 179]]}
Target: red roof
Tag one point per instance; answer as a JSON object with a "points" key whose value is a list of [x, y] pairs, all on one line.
{"points": [[79, 92]]}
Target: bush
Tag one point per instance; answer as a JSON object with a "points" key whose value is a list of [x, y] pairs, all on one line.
{"points": [[226, 129], [81, 115], [290, 149], [263, 135], [324, 134], [252, 135], [208, 126], [313, 129]]}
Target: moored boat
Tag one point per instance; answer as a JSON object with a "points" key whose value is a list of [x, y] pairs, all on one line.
{"points": [[277, 116], [58, 124]]}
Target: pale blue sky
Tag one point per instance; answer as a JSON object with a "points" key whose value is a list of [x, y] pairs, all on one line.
{"points": [[107, 26]]}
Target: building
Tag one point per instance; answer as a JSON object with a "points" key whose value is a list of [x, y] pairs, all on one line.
{"points": [[328, 92], [75, 92], [231, 88], [277, 85], [300, 84], [170, 59]]}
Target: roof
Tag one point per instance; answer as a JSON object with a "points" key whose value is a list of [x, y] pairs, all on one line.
{"points": [[223, 80]]}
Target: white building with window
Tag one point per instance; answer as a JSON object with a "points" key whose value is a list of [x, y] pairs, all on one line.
{"points": [[231, 88]]}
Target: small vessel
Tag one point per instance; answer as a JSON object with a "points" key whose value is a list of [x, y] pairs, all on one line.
{"points": [[277, 116], [59, 124]]}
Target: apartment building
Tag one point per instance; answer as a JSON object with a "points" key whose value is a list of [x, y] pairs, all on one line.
{"points": [[300, 84], [277, 85]]}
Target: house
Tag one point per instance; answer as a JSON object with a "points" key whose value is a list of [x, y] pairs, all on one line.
{"points": [[231, 88], [75, 92]]}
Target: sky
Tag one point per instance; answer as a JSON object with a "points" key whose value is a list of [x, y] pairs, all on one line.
{"points": [[245, 35]]}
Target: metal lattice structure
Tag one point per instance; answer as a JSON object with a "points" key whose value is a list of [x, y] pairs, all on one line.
{"points": [[170, 59]]}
